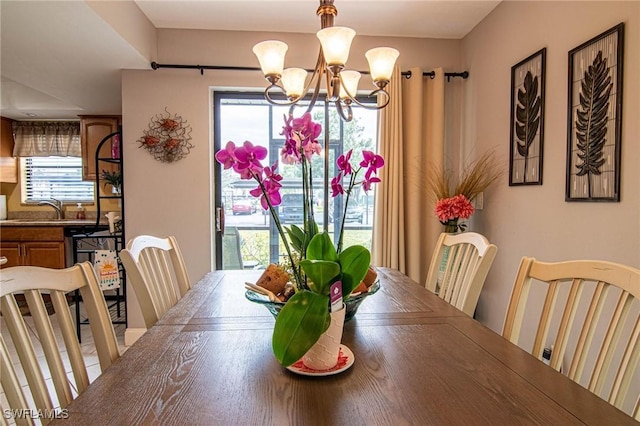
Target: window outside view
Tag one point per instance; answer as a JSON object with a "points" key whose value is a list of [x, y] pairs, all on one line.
{"points": [[251, 239], [54, 177]]}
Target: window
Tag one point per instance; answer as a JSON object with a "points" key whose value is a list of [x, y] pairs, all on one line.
{"points": [[54, 177], [244, 116]]}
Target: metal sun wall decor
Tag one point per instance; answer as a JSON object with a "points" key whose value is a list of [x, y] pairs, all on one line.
{"points": [[527, 120], [595, 118], [167, 138]]}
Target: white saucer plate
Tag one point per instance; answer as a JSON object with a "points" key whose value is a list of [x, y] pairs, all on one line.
{"points": [[345, 360]]}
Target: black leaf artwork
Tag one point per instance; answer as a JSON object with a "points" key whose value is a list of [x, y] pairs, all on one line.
{"points": [[527, 116], [591, 121]]}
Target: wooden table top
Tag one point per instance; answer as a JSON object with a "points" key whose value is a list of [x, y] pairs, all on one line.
{"points": [[418, 361]]}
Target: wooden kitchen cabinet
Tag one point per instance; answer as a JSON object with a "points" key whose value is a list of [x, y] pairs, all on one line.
{"points": [[93, 129], [33, 246], [8, 163], [10, 250]]}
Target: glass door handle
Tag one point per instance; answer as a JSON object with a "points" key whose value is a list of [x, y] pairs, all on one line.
{"points": [[220, 219]]}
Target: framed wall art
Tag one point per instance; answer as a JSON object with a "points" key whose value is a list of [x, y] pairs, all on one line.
{"points": [[527, 120], [595, 118]]}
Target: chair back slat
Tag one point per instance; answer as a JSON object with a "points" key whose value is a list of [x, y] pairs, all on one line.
{"points": [[591, 320], [564, 330], [589, 316], [629, 359], [99, 319], [35, 283], [545, 319], [155, 268], [49, 345], [26, 353], [611, 341], [66, 324], [458, 269], [157, 272], [11, 385]]}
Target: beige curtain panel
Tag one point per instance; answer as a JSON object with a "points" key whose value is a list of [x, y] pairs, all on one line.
{"points": [[411, 136], [46, 139]]}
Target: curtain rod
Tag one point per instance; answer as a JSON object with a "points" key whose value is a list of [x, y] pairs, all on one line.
{"points": [[407, 74]]}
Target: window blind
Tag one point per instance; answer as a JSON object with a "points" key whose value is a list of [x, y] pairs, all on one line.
{"points": [[55, 177]]}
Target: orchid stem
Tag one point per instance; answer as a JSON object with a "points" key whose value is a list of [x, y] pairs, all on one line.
{"points": [[352, 182], [296, 272]]}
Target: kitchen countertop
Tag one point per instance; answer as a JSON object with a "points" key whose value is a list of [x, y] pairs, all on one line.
{"points": [[48, 222]]}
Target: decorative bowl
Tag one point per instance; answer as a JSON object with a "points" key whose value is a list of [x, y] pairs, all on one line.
{"points": [[351, 304]]}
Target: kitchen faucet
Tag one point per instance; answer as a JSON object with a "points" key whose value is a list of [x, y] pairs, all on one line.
{"points": [[56, 204]]}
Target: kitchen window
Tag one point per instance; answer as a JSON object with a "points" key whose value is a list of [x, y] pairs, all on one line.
{"points": [[44, 178]]}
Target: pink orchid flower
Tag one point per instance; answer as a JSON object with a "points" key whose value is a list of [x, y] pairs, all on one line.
{"points": [[226, 156], [343, 163], [366, 184], [336, 185], [250, 155], [372, 161]]}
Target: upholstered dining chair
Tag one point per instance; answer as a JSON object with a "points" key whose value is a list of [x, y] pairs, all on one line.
{"points": [[590, 312], [156, 270], [24, 337], [459, 267]]}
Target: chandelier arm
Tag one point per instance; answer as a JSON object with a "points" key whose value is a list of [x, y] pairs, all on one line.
{"points": [[317, 77], [353, 98], [272, 101], [376, 92], [342, 107]]}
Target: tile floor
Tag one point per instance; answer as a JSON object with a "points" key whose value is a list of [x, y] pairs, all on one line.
{"points": [[87, 347]]}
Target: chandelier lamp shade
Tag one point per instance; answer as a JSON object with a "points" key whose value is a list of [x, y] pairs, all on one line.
{"points": [[341, 84]]}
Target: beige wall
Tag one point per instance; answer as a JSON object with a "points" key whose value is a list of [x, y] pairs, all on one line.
{"points": [[176, 199], [536, 221]]}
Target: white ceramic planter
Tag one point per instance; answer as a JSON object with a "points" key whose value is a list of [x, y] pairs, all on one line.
{"points": [[324, 354]]}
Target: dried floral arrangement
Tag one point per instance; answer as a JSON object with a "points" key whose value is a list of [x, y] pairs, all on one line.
{"points": [[454, 193], [167, 138]]}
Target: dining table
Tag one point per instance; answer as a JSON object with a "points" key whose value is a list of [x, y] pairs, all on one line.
{"points": [[416, 361]]}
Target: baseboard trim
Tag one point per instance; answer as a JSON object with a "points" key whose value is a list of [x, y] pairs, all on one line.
{"points": [[133, 334]]}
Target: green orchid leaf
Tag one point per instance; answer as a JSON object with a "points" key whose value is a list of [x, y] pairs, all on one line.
{"points": [[297, 237], [322, 274], [354, 262], [312, 228], [321, 248], [299, 326]]}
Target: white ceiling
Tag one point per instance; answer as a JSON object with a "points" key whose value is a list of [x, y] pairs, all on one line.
{"points": [[401, 18], [59, 59]]}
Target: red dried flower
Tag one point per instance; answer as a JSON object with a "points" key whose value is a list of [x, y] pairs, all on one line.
{"points": [[171, 143], [151, 140], [456, 207], [169, 124]]}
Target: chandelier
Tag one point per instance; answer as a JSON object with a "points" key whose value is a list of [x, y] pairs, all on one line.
{"points": [[341, 85]]}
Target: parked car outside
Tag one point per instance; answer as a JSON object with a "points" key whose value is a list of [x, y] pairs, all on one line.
{"points": [[243, 207], [290, 209], [355, 213]]}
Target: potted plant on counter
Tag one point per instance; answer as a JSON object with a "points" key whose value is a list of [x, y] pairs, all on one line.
{"points": [[113, 178]]}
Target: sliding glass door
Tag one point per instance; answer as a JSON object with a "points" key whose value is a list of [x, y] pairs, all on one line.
{"points": [[247, 237]]}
